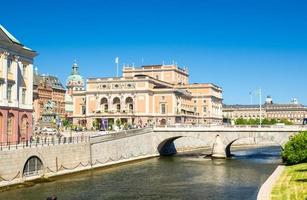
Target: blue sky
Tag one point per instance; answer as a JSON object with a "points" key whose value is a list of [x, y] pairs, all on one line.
{"points": [[238, 45]]}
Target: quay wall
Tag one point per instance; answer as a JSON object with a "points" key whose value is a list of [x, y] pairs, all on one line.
{"points": [[56, 159], [104, 150]]}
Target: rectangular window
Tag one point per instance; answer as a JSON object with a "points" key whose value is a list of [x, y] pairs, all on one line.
{"points": [[83, 110], [9, 92], [9, 65], [163, 108], [205, 109], [23, 96], [24, 71], [1, 96]]}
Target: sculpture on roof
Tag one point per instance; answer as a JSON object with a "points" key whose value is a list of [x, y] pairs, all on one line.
{"points": [[48, 107]]}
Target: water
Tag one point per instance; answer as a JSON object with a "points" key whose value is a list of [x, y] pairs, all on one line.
{"points": [[187, 176]]}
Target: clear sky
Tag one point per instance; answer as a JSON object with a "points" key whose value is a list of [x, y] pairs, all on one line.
{"points": [[238, 45]]}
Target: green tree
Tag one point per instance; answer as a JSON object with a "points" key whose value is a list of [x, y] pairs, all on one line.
{"points": [[66, 122], [240, 121], [266, 121], [295, 150], [286, 122]]}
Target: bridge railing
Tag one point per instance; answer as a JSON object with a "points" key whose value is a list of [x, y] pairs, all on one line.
{"points": [[119, 135], [232, 126], [40, 142]]}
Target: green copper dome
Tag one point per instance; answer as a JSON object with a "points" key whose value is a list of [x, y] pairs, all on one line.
{"points": [[74, 79]]}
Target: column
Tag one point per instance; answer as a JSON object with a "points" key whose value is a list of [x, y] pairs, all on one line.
{"points": [[4, 71], [15, 88], [110, 104], [29, 93], [122, 103]]}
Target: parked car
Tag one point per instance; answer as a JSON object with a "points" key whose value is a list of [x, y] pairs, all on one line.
{"points": [[49, 131]]}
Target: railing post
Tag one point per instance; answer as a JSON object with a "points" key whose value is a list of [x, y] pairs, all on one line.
{"points": [[9, 146]]}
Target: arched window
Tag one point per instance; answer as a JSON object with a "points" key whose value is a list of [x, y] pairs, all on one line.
{"points": [[33, 167], [129, 104], [24, 127], [104, 104], [116, 104], [10, 122]]}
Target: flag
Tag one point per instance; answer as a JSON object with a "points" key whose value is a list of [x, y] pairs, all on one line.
{"points": [[258, 92], [116, 60]]}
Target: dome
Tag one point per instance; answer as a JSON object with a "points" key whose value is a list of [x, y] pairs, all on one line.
{"points": [[74, 79]]}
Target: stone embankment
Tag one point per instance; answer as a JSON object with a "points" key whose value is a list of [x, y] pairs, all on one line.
{"points": [[266, 189], [29, 162]]}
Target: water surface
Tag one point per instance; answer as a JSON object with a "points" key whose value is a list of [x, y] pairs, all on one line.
{"points": [[187, 176]]}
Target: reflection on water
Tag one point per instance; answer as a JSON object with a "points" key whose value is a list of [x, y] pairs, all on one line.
{"points": [[179, 177]]}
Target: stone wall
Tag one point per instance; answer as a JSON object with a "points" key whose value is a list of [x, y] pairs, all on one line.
{"points": [[121, 147], [56, 159]]}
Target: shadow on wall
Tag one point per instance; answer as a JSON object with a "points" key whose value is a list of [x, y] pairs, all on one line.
{"points": [[167, 147]]}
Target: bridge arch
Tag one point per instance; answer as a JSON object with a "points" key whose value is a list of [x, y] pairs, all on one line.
{"points": [[168, 147], [273, 140], [33, 166]]}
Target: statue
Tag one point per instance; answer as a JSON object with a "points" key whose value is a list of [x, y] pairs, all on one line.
{"points": [[48, 107]]}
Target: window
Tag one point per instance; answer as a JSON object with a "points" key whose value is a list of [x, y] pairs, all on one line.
{"points": [[10, 122], [9, 65], [23, 96], [205, 109], [1, 85], [24, 70], [204, 101], [195, 101], [83, 110], [9, 92], [163, 108]]}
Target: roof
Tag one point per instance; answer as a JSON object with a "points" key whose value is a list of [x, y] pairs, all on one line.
{"points": [[53, 81], [265, 106], [9, 35], [240, 106], [13, 39]]}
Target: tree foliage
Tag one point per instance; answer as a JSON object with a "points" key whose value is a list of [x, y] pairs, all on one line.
{"points": [[295, 150], [241, 121]]}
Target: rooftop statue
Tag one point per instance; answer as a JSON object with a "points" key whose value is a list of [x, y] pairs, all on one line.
{"points": [[48, 107]]}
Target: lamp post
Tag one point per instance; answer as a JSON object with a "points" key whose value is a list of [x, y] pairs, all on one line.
{"points": [[27, 130], [260, 106]]}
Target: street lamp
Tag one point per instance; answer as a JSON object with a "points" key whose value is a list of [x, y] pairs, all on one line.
{"points": [[27, 130]]}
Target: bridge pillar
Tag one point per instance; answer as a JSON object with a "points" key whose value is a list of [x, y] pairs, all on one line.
{"points": [[218, 149]]}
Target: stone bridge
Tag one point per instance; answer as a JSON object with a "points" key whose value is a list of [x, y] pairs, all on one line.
{"points": [[220, 139], [21, 164]]}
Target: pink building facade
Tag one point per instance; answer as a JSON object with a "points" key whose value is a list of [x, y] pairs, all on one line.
{"points": [[16, 89]]}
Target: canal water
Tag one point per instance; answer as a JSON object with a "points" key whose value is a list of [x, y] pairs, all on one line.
{"points": [[184, 176]]}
